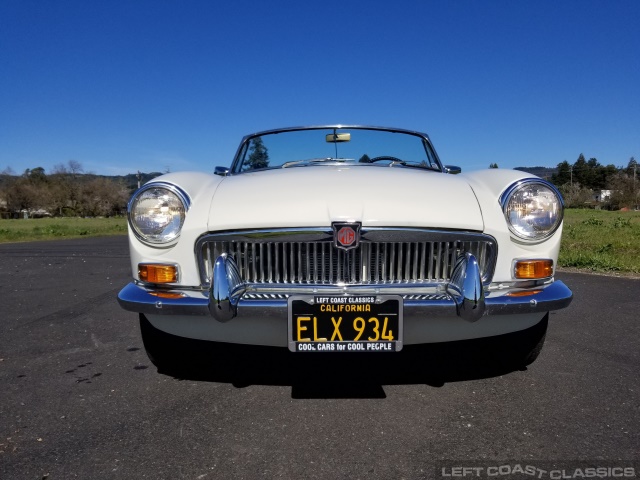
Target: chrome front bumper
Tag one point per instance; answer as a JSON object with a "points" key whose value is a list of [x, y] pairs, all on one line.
{"points": [[464, 296], [554, 296]]}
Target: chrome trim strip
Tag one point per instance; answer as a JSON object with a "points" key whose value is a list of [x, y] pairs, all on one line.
{"points": [[554, 296], [371, 289]]}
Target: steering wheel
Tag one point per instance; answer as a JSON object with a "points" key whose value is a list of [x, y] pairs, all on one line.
{"points": [[388, 158]]}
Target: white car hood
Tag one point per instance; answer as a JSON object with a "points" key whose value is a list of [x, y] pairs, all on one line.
{"points": [[318, 195]]}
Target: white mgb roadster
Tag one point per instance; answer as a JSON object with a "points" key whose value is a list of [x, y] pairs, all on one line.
{"points": [[343, 239]]}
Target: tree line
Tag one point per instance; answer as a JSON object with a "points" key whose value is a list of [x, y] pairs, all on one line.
{"points": [[66, 191], [69, 191], [583, 182]]}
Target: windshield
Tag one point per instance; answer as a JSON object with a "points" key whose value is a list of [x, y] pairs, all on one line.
{"points": [[357, 146]]}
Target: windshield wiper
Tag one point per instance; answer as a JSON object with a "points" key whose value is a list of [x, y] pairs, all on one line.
{"points": [[310, 161]]}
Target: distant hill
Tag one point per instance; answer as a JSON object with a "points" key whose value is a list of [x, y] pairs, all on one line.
{"points": [[131, 180], [542, 172]]}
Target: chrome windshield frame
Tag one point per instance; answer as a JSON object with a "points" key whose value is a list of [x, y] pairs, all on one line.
{"points": [[235, 165]]}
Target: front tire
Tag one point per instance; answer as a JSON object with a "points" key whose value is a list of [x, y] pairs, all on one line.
{"points": [[530, 343], [167, 352]]}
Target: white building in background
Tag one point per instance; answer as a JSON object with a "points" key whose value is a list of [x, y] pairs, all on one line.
{"points": [[602, 196]]}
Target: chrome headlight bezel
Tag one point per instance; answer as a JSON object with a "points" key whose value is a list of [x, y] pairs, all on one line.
{"points": [[163, 239], [526, 230]]}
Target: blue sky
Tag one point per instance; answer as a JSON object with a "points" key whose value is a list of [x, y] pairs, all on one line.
{"points": [[121, 86]]}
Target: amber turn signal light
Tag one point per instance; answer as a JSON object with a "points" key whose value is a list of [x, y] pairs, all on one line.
{"points": [[154, 273], [169, 295], [533, 269], [524, 293]]}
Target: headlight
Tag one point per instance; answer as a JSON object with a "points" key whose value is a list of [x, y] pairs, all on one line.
{"points": [[533, 209], [157, 212]]}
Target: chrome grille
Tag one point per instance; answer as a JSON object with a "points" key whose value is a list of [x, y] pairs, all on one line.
{"points": [[311, 258]]}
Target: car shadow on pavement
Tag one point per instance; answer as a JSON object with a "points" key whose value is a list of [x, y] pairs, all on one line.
{"points": [[344, 375]]}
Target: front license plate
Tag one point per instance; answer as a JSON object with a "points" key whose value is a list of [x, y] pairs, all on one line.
{"points": [[345, 324]]}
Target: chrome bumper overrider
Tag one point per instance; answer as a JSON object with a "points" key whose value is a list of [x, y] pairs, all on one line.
{"points": [[465, 296]]}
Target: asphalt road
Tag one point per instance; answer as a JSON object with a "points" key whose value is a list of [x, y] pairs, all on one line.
{"points": [[79, 398]]}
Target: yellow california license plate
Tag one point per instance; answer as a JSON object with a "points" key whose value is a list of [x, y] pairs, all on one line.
{"points": [[345, 323]]}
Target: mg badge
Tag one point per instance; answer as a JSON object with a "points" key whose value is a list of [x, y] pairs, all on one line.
{"points": [[346, 235]]}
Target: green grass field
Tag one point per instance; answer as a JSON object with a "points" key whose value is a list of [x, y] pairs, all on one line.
{"points": [[601, 241], [595, 240], [57, 228]]}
